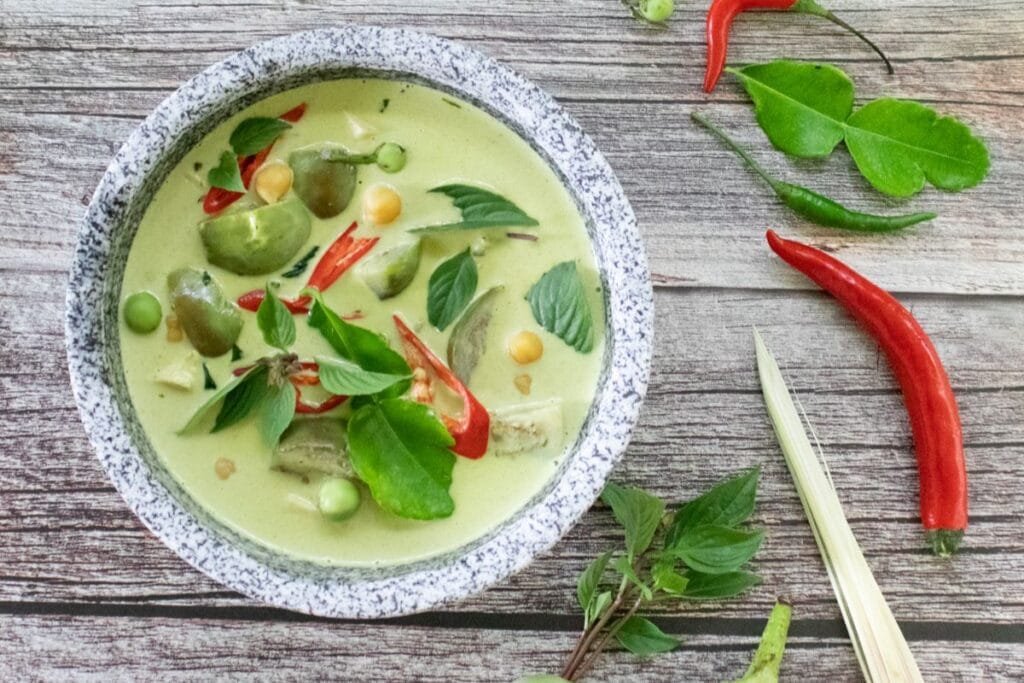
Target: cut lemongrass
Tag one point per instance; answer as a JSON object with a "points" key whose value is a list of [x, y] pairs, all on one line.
{"points": [[881, 649]]}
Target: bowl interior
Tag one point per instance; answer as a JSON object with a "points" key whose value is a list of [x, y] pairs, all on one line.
{"points": [[94, 348]]}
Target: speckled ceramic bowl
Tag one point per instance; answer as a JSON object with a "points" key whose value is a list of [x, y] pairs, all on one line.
{"points": [[94, 353]]}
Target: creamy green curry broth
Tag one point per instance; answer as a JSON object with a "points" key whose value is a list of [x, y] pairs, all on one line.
{"points": [[447, 142]]}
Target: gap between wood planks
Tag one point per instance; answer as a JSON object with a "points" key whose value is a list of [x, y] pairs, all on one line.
{"points": [[821, 629]]}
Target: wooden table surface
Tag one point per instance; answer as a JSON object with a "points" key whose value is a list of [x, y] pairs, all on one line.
{"points": [[86, 591]]}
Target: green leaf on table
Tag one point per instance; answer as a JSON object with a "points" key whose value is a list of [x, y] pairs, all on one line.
{"points": [[899, 144], [277, 410], [451, 288], [600, 603], [365, 348], [213, 401], [275, 321], [479, 208], [590, 579], [345, 378], [559, 304], [638, 512], [625, 567], [225, 174], [241, 400], [642, 637], [666, 578], [716, 549], [253, 134], [729, 503], [801, 106], [400, 450], [701, 586], [807, 109]]}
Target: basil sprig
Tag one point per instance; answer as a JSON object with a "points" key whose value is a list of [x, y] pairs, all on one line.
{"points": [[559, 304], [450, 289], [479, 208]]}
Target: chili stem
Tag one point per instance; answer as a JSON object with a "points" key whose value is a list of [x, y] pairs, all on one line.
{"points": [[720, 134], [813, 8]]}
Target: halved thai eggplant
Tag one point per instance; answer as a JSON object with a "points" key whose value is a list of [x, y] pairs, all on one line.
{"points": [[314, 446], [469, 336], [389, 272], [527, 427]]}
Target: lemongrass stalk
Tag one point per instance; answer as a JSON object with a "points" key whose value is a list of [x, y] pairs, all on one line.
{"points": [[881, 649]]}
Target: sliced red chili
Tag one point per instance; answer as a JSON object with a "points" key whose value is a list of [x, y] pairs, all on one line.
{"points": [[250, 301], [472, 430], [218, 199]]}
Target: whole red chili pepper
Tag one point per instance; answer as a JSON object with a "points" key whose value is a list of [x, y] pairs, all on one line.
{"points": [[473, 429], [927, 393], [343, 253], [307, 376], [721, 15], [218, 199]]}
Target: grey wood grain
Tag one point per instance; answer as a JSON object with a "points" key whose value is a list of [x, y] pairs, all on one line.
{"points": [[86, 591]]}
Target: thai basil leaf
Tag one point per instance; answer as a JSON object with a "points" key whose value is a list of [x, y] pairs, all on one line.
{"points": [[559, 304], [600, 603], [451, 288], [729, 503], [625, 567], [242, 398], [207, 408], [479, 208], [716, 549], [638, 512], [590, 579], [641, 637], [225, 174], [807, 109], [275, 321], [367, 349], [277, 411], [252, 135], [667, 579], [400, 450], [700, 586], [345, 378]]}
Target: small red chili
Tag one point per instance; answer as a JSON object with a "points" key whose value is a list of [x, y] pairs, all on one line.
{"points": [[722, 13], [927, 393], [343, 253], [218, 199], [472, 430]]}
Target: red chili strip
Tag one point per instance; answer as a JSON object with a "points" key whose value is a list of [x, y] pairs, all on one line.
{"points": [[722, 13], [472, 430], [343, 253], [927, 393], [218, 199]]}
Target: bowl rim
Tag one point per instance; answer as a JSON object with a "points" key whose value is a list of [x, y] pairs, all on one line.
{"points": [[616, 241]]}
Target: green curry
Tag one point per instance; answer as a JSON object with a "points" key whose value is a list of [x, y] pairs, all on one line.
{"points": [[372, 393]]}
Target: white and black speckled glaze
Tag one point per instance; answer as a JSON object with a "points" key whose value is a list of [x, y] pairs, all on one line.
{"points": [[94, 353]]}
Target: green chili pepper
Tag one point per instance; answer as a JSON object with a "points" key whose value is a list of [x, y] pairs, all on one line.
{"points": [[815, 207]]}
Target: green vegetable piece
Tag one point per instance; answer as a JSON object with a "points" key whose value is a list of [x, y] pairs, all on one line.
{"points": [[389, 272], [345, 378], [300, 266], [469, 336], [700, 586], [898, 145], [226, 174], [642, 637], [313, 446], [338, 499], [324, 186], [480, 208], [277, 411], [559, 304], [813, 206], [400, 450], [450, 289], [275, 321], [257, 241], [655, 12], [807, 109], [257, 375], [764, 668], [727, 504], [527, 427], [208, 383], [637, 511], [253, 134], [589, 581], [211, 322], [391, 158], [142, 312]]}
